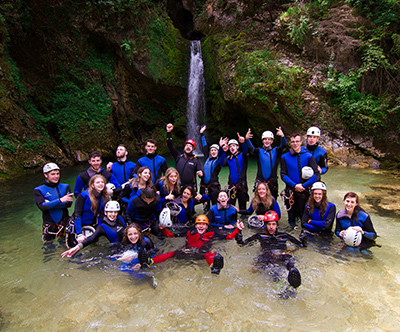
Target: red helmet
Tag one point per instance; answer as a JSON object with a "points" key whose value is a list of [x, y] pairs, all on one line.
{"points": [[190, 141], [270, 216]]}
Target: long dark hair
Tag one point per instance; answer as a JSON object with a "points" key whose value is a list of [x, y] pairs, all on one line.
{"points": [[358, 208], [125, 239], [324, 203]]}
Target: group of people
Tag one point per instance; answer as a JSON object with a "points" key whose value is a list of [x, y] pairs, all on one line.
{"points": [[127, 202]]}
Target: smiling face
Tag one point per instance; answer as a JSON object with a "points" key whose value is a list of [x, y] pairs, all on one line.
{"points": [[318, 194], [312, 139], [98, 184], [150, 148], [53, 176], [267, 141], [111, 215], [350, 203], [223, 198], [145, 175], [262, 190], [201, 223], [188, 148], [133, 235], [295, 143], [95, 162], [173, 177], [213, 152], [186, 195]]}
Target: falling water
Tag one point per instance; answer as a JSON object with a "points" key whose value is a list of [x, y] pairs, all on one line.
{"points": [[196, 101]]}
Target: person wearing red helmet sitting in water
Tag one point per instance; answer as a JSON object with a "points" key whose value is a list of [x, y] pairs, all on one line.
{"points": [[198, 243], [274, 248], [186, 163]]}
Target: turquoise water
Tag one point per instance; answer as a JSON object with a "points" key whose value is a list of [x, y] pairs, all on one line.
{"points": [[339, 292]]}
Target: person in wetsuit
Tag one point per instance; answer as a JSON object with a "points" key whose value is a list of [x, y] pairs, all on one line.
{"points": [[111, 226], [273, 245], [319, 153], [354, 216], [319, 214], [53, 199], [156, 163], [214, 158], [268, 159], [186, 163], [222, 216], [299, 171], [122, 169], [82, 181], [135, 185], [198, 245], [169, 186]]}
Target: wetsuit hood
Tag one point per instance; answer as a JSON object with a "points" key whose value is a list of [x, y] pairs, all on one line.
{"points": [[151, 155], [269, 148], [51, 184], [220, 207], [312, 147], [293, 153]]}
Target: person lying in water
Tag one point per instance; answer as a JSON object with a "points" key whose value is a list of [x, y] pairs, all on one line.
{"points": [[198, 243], [274, 248]]}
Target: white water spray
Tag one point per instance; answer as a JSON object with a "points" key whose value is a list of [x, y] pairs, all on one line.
{"points": [[196, 102]]}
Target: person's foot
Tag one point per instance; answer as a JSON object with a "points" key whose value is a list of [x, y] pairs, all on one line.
{"points": [[294, 277], [144, 259], [218, 264]]}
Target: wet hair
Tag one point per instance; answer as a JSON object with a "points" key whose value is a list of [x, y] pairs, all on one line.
{"points": [[324, 203], [91, 192], [137, 179], [166, 182], [191, 189], [152, 141], [267, 201], [358, 208], [94, 154], [125, 239], [148, 193]]}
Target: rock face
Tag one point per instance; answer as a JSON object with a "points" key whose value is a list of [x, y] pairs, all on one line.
{"points": [[77, 77]]}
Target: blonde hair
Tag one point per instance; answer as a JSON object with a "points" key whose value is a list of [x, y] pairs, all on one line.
{"points": [[267, 201], [92, 195], [167, 184]]}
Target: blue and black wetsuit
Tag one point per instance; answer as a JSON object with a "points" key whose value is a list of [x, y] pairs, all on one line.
{"points": [[144, 214], [187, 165], [219, 217], [156, 164], [363, 220], [113, 230], [129, 192], [164, 192], [146, 244], [320, 155], [55, 213], [318, 222], [267, 164], [210, 185], [187, 213], [291, 166], [238, 177], [83, 214], [123, 171], [82, 181]]}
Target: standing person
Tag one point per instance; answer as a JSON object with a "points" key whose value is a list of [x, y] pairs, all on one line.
{"points": [[187, 164], [354, 216], [82, 181], [214, 157], [237, 163], [111, 226], [262, 202], [89, 205], [53, 199], [268, 159], [299, 171], [319, 214], [274, 249], [169, 186], [198, 245], [122, 169], [135, 185], [318, 152], [156, 163]]}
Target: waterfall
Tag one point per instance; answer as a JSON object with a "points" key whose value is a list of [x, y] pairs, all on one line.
{"points": [[196, 102]]}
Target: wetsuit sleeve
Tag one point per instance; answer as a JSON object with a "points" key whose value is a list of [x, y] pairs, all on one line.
{"points": [[164, 167], [204, 198], [305, 218], [204, 146], [313, 164], [114, 181], [175, 153], [294, 240], [245, 149], [95, 236], [210, 216], [323, 224], [222, 157], [80, 201], [277, 209], [135, 169], [369, 231], [247, 212], [338, 227], [323, 163], [232, 235], [79, 185], [251, 147], [283, 144], [284, 174], [44, 206], [250, 239]]}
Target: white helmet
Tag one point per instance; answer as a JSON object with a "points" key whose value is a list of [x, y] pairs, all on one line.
{"points": [[112, 206], [319, 185], [233, 141], [267, 134], [110, 186], [165, 217], [253, 221], [314, 131], [352, 237], [307, 172], [50, 167], [214, 146], [174, 208]]}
